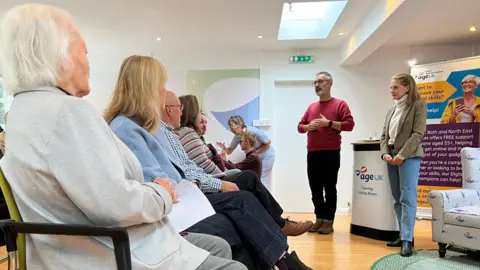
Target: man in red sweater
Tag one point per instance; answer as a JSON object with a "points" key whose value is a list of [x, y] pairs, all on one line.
{"points": [[323, 121]]}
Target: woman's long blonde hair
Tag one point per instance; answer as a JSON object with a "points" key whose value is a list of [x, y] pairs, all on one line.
{"points": [[136, 93]]}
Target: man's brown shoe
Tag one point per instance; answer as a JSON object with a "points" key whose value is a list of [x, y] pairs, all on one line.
{"points": [[316, 226], [327, 228], [296, 228]]}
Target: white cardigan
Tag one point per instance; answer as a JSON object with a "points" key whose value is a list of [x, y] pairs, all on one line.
{"points": [[65, 165]]}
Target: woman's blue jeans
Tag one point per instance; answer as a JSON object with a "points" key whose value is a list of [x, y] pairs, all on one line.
{"points": [[403, 182]]}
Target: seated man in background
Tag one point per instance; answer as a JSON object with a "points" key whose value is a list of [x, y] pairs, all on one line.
{"points": [[252, 161], [171, 119]]}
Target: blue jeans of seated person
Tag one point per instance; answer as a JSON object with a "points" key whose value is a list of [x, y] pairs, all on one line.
{"points": [[221, 226], [403, 183], [248, 181], [265, 240]]}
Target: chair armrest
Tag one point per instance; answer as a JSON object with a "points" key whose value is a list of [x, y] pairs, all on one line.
{"points": [[449, 199], [443, 200], [119, 236]]}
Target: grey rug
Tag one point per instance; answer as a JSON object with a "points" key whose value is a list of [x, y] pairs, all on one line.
{"points": [[429, 260]]}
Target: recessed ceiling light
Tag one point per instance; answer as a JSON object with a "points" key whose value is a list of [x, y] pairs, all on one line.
{"points": [[473, 29], [341, 34], [412, 62], [260, 36], [159, 39]]}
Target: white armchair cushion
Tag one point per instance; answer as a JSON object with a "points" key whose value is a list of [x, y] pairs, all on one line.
{"points": [[465, 216]]}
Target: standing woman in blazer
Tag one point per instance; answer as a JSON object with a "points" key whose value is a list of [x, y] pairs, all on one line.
{"points": [[401, 146]]}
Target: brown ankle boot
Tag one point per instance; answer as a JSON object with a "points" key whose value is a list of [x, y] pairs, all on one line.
{"points": [[327, 228], [296, 228], [316, 226]]}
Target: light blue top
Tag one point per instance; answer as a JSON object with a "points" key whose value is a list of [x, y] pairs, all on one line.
{"points": [[155, 161], [262, 139], [159, 158]]}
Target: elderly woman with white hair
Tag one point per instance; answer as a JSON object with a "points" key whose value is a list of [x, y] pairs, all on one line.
{"points": [[464, 109], [65, 165], [263, 146]]}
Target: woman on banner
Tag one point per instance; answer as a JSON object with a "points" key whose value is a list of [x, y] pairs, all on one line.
{"points": [[465, 109], [401, 146]]}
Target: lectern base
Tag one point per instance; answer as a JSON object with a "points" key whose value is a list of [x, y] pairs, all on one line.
{"points": [[374, 233]]}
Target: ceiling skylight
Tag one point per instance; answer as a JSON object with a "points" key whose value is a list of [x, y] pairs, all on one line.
{"points": [[309, 20]]}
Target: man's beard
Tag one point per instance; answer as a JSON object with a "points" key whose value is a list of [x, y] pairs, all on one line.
{"points": [[319, 91]]}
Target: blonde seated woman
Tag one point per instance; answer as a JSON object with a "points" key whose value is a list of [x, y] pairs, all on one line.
{"points": [[66, 166], [136, 114], [465, 109]]}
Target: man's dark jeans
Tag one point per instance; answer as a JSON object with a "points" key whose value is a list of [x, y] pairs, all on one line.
{"points": [[221, 226], [259, 234], [248, 181]]}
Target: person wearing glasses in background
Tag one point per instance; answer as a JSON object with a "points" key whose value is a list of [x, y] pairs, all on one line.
{"points": [[323, 121], [464, 109]]}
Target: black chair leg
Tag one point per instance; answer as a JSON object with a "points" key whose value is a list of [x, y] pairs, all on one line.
{"points": [[442, 250], [122, 253]]}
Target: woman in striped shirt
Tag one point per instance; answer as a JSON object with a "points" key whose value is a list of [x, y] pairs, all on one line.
{"points": [[189, 136]]}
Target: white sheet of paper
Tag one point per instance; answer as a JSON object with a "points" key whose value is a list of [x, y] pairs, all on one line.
{"points": [[192, 208]]}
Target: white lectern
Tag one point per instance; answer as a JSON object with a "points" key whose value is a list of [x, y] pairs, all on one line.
{"points": [[373, 215]]}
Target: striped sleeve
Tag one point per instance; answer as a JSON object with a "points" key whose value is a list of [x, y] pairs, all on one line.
{"points": [[197, 151]]}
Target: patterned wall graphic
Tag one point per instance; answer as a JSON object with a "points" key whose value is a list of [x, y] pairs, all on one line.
{"points": [[223, 93], [240, 87]]}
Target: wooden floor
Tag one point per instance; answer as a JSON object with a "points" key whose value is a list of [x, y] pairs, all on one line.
{"points": [[344, 251], [341, 250]]}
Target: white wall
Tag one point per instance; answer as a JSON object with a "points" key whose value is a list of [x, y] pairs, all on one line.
{"points": [[364, 87]]}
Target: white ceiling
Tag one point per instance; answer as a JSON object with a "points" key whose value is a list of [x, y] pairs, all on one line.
{"points": [[124, 25], [195, 24], [443, 21]]}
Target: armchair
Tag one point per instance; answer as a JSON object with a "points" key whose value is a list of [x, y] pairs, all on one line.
{"points": [[455, 218]]}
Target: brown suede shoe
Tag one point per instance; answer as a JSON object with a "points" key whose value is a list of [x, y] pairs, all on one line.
{"points": [[327, 228], [296, 228], [316, 226]]}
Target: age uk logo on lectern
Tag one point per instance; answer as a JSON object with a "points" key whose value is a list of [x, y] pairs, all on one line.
{"points": [[363, 175]]}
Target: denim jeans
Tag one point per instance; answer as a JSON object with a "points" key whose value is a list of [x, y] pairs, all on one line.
{"points": [[403, 183], [221, 226], [264, 239], [248, 181]]}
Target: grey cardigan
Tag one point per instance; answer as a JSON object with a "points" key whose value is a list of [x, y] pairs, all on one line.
{"points": [[65, 165]]}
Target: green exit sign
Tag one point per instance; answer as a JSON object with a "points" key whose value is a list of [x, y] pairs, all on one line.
{"points": [[301, 59]]}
